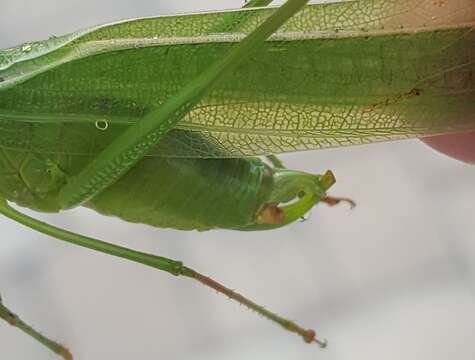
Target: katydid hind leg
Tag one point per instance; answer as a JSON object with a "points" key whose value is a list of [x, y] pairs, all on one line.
{"points": [[161, 263], [14, 320]]}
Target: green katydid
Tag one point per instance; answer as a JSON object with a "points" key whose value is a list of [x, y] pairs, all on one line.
{"points": [[231, 109]]}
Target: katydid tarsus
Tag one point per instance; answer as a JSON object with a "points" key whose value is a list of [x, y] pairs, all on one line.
{"points": [[246, 194]]}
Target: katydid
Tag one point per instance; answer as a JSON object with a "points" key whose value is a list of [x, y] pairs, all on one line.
{"points": [[95, 118]]}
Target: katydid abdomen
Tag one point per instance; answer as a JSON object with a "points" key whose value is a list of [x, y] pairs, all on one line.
{"points": [[189, 194]]}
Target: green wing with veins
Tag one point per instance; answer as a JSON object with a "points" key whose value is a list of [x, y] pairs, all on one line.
{"points": [[336, 74]]}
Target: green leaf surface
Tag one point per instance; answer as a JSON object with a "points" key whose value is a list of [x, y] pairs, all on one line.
{"points": [[336, 74]]}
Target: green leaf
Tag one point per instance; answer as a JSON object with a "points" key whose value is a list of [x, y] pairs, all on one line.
{"points": [[336, 74]]}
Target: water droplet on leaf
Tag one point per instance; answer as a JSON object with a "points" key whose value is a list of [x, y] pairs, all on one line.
{"points": [[102, 124]]}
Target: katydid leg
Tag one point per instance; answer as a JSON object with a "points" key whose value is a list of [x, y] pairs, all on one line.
{"points": [[161, 263], [15, 321], [275, 161]]}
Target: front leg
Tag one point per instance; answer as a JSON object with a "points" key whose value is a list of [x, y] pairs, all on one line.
{"points": [[15, 321], [130, 147]]}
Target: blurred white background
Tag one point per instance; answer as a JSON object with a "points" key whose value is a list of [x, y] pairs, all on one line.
{"points": [[393, 279]]}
